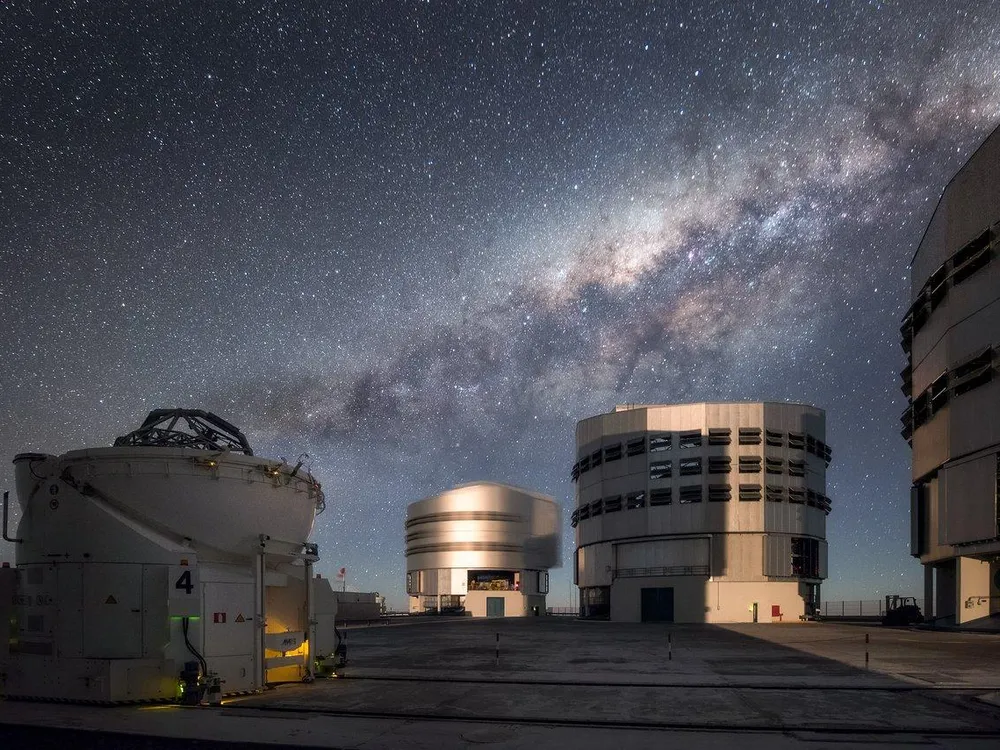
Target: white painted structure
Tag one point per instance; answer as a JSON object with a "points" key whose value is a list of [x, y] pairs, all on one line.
{"points": [[133, 561], [709, 512], [951, 334], [483, 549]]}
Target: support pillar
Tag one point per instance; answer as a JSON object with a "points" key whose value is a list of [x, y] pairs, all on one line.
{"points": [[929, 613]]}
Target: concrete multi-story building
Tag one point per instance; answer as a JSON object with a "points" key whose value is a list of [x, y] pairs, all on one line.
{"points": [[710, 512], [484, 549], [951, 334]]}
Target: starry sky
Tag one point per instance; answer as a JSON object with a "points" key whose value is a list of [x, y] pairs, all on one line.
{"points": [[419, 240]]}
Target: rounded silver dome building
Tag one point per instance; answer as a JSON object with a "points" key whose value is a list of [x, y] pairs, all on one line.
{"points": [[709, 512], [482, 549]]}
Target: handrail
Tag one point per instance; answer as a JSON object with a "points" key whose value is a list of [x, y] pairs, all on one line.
{"points": [[6, 501]]}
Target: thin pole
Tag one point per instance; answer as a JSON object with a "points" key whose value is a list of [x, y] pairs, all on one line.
{"points": [[498, 650], [670, 646], [866, 650]]}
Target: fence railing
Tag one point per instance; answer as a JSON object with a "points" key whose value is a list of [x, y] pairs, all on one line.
{"points": [[857, 608], [563, 611]]}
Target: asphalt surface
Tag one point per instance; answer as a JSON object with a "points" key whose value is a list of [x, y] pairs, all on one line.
{"points": [[591, 684]]}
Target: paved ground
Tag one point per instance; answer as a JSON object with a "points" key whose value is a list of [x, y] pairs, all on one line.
{"points": [[591, 684]]}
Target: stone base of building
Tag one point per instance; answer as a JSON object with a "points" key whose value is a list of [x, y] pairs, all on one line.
{"points": [[698, 599]]}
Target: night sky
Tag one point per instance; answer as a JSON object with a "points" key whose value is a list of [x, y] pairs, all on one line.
{"points": [[418, 241]]}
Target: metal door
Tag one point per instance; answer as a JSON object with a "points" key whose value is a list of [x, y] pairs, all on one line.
{"points": [[658, 605], [494, 606]]}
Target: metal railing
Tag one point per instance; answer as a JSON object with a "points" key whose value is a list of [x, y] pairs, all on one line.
{"points": [[670, 570], [856, 608]]}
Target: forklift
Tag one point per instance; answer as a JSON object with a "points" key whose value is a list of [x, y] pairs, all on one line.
{"points": [[901, 610]]}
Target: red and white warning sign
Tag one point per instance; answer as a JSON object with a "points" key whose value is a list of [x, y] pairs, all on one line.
{"points": [[218, 617]]}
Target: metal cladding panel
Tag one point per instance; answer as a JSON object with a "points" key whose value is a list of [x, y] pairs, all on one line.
{"points": [[112, 611], [155, 610], [718, 517], [228, 622], [594, 565], [225, 505], [483, 525], [663, 553], [974, 194], [974, 419], [69, 612], [824, 556], [968, 493], [777, 555]]}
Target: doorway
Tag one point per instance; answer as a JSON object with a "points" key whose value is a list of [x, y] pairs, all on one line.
{"points": [[658, 605], [494, 606]]}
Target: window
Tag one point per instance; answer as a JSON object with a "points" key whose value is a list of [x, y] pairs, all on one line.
{"points": [[796, 468], [690, 439], [576, 471], [636, 447], [584, 464], [543, 582], [719, 464], [971, 258], [690, 466], [811, 444], [719, 493], [690, 494], [596, 508], [660, 441], [805, 557], [774, 465], [583, 512], [661, 470], [595, 459], [825, 451], [796, 495], [719, 436], [411, 584], [635, 500], [972, 373], [749, 435], [749, 464], [796, 440], [574, 519], [661, 496], [494, 580], [613, 452], [750, 492], [612, 504], [774, 493], [774, 438], [812, 499]]}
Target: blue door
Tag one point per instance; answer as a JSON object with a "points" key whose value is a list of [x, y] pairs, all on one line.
{"points": [[494, 606]]}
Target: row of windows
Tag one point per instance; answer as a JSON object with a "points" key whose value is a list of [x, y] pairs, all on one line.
{"points": [[695, 466], [660, 442], [962, 378], [974, 256], [695, 493]]}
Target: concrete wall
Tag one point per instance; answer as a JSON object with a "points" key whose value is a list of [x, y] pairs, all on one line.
{"points": [[516, 604], [697, 599]]}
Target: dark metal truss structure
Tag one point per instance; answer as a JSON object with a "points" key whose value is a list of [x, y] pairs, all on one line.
{"points": [[187, 428]]}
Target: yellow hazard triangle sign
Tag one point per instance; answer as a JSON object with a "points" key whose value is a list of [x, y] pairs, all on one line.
{"points": [[240, 618]]}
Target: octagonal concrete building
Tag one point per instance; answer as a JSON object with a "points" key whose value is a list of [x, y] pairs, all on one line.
{"points": [[482, 549], [951, 335], [707, 512]]}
